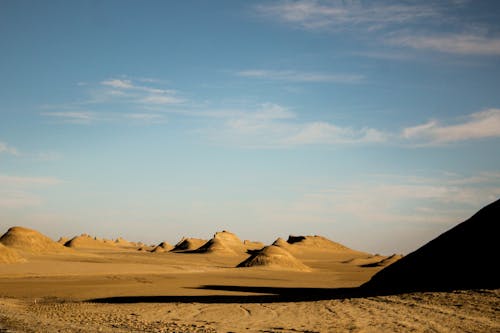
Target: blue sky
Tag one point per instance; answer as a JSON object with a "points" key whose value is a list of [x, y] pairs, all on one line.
{"points": [[376, 124]]}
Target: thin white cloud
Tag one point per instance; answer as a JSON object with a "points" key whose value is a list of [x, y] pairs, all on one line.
{"points": [[157, 99], [341, 15], [297, 76], [76, 117], [129, 91], [465, 44], [479, 125], [118, 83], [147, 117], [326, 133], [8, 149]]}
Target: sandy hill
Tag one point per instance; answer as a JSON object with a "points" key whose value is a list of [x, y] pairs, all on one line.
{"points": [[386, 261], [188, 244], [29, 240], [224, 242], [369, 260], [299, 244], [274, 257], [9, 256], [62, 240], [250, 245], [85, 241], [162, 247], [461, 258]]}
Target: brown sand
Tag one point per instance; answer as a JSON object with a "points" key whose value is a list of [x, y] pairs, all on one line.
{"points": [[188, 244], [28, 240], [97, 290], [274, 257], [9, 256], [87, 242]]}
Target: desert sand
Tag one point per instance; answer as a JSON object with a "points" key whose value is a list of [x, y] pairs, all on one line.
{"points": [[302, 284]]}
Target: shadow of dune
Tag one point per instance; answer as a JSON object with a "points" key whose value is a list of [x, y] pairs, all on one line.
{"points": [[260, 295]]}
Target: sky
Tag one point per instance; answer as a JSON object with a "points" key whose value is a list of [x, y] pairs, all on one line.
{"points": [[373, 123]]}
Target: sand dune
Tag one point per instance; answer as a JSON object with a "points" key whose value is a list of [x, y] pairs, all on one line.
{"points": [[29, 240], [85, 241], [251, 245], [365, 260], [224, 243], [461, 258], [9, 256], [386, 261], [188, 244], [162, 247], [274, 257]]}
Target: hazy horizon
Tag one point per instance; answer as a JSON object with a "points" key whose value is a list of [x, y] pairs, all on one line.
{"points": [[376, 125]]}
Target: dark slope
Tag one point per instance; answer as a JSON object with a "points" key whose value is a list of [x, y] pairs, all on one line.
{"points": [[465, 257]]}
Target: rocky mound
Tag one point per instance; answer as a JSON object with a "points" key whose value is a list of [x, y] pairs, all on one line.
{"points": [[274, 257], [461, 258], [188, 244], [85, 241], [29, 240], [9, 256]]}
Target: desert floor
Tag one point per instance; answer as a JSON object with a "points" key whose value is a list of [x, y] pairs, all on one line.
{"points": [[127, 291]]}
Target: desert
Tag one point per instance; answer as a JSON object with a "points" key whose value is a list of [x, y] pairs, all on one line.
{"points": [[224, 284]]}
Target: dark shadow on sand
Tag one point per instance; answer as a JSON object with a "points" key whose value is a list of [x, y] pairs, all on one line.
{"points": [[260, 295]]}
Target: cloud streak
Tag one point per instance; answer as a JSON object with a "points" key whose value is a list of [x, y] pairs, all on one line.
{"points": [[74, 117], [297, 76], [465, 44], [479, 125], [341, 16]]}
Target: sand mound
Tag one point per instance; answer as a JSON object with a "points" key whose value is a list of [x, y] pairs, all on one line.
{"points": [[365, 261], [249, 245], [9, 256], [85, 241], [188, 244], [316, 242], [281, 243], [29, 240], [385, 261], [461, 258], [274, 257], [62, 240], [223, 242], [120, 242], [162, 247]]}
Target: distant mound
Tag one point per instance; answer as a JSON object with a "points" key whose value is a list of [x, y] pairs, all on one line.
{"points": [[249, 245], [370, 260], [224, 242], [461, 258], [120, 242], [63, 240], [85, 241], [29, 240], [9, 256], [274, 257], [188, 244], [162, 247], [386, 261], [297, 244]]}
